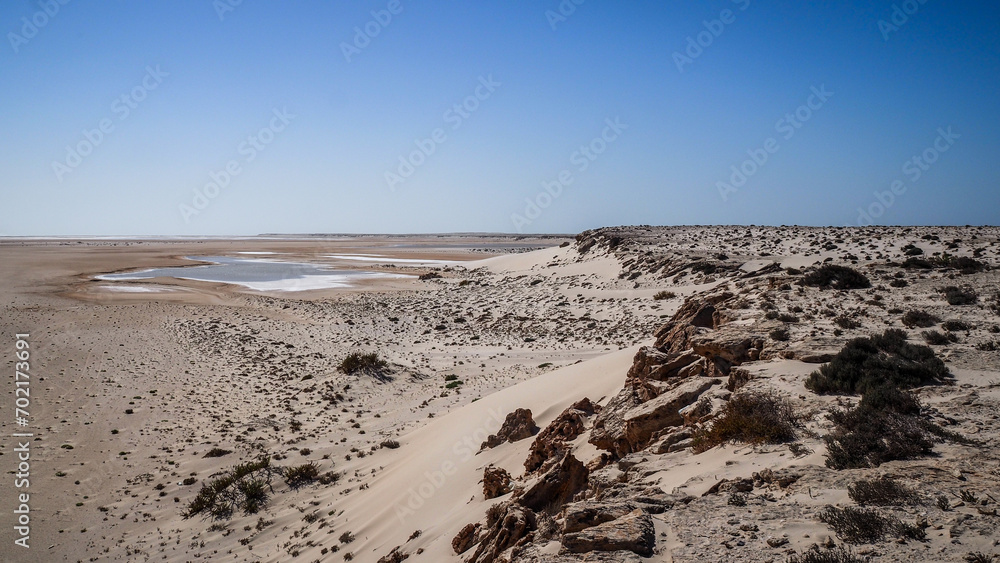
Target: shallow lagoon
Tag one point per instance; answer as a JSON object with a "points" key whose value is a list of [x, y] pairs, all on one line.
{"points": [[258, 274]]}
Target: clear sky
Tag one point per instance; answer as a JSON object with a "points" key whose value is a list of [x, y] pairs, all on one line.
{"points": [[121, 118]]}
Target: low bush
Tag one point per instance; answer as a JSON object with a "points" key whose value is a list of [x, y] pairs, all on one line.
{"points": [[661, 295], [357, 362], [846, 322], [877, 360], [881, 491], [865, 437], [750, 418], [246, 487], [898, 282], [936, 338], [780, 334], [391, 444], [952, 326], [830, 276], [960, 295], [300, 475], [835, 555], [858, 525], [916, 318]]}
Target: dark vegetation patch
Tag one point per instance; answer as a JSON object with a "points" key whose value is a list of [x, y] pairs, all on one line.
{"points": [[217, 452], [881, 491], [833, 555], [960, 295], [963, 264], [915, 318], [780, 334], [750, 418], [371, 364], [830, 276], [878, 360], [245, 488]]}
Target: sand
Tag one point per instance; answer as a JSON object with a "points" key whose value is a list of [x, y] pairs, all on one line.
{"points": [[134, 382]]}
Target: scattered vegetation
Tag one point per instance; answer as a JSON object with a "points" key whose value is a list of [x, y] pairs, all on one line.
{"points": [[246, 487], [661, 295], [368, 364], [916, 318], [300, 475], [830, 276], [885, 359], [960, 295], [780, 334], [857, 525], [846, 322], [881, 491], [835, 555], [751, 418], [936, 338]]}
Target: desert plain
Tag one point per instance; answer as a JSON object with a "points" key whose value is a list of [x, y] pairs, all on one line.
{"points": [[625, 394]]}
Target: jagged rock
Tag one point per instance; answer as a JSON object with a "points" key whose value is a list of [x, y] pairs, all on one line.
{"points": [[730, 486], [466, 538], [650, 499], [550, 443], [677, 436], [394, 556], [517, 426], [556, 487], [643, 421], [496, 482], [633, 532], [508, 524], [581, 515]]}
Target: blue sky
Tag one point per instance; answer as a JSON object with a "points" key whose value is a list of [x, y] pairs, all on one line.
{"points": [[326, 130]]}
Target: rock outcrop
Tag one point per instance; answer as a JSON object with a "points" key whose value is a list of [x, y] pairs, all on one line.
{"points": [[466, 538], [633, 532], [517, 426], [550, 443], [556, 487], [496, 482], [508, 524], [694, 352]]}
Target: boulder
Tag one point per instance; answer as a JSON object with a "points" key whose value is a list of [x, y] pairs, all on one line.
{"points": [[550, 443], [633, 532], [517, 426], [496, 482], [508, 524], [582, 515], [642, 421], [466, 538], [556, 487]]}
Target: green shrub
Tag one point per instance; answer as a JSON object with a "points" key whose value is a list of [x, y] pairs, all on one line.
{"points": [[857, 525], [245, 487], [751, 418], [357, 362], [876, 360], [300, 475], [881, 491], [780, 334], [960, 295], [936, 338], [830, 276], [834, 555], [917, 318]]}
